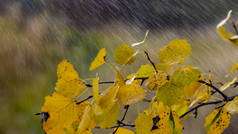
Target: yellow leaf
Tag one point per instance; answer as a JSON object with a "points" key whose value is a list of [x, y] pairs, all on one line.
{"points": [[228, 37], [87, 122], [124, 54], [175, 53], [181, 108], [185, 75], [131, 79], [143, 124], [145, 71], [69, 84], [107, 110], [96, 89], [123, 131], [165, 68], [234, 67], [99, 60], [130, 94], [169, 122], [156, 80], [119, 79], [158, 119], [170, 94], [232, 106], [63, 114], [198, 92], [217, 121]]}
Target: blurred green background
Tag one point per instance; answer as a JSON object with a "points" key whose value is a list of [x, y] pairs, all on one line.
{"points": [[32, 44]]}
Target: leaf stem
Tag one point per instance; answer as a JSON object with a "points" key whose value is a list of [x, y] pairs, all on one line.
{"points": [[151, 62]]}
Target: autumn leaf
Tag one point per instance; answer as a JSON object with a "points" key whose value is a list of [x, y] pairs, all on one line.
{"points": [[228, 37], [156, 80], [185, 75], [217, 121], [124, 54], [87, 122], [69, 84], [145, 71], [234, 67], [158, 119], [143, 124], [123, 131], [96, 89], [99, 60], [170, 94], [107, 108], [130, 94], [58, 106], [176, 52], [232, 106]]}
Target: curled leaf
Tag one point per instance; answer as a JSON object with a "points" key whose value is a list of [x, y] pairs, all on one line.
{"points": [[99, 60], [228, 37]]}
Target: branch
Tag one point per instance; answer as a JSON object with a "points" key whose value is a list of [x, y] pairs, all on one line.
{"points": [[121, 121], [151, 62], [89, 97], [215, 88], [112, 82], [208, 103], [200, 105]]}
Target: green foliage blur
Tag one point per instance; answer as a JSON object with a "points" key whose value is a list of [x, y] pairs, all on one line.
{"points": [[30, 51]]}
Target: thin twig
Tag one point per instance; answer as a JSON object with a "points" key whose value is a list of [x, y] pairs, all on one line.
{"points": [[151, 62], [89, 97], [121, 121], [200, 105], [112, 82]]}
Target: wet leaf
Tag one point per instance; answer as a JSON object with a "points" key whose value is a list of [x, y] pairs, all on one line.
{"points": [[232, 106], [69, 84], [58, 106], [145, 71], [156, 80], [143, 124], [234, 67], [228, 37], [130, 94], [170, 94], [124, 54], [185, 75], [99, 60], [176, 52], [124, 131], [107, 108], [217, 121]]}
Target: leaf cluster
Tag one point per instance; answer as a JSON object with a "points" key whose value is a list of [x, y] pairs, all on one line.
{"points": [[180, 90]]}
